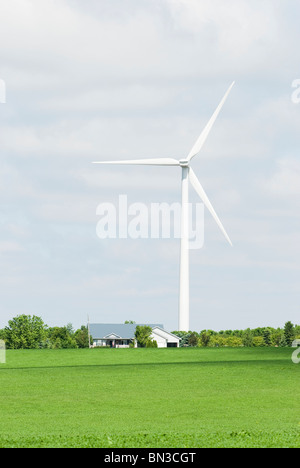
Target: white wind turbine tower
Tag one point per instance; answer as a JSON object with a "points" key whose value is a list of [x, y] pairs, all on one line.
{"points": [[187, 175]]}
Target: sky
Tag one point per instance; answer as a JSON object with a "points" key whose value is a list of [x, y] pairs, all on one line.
{"points": [[130, 79]]}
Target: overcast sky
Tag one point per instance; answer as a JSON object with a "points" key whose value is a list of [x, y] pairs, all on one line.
{"points": [[118, 79]]}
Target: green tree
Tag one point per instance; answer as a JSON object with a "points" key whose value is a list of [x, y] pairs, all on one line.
{"points": [[288, 333], [276, 337], [184, 337], [62, 337], [217, 341], [81, 337], [193, 339], [3, 334], [258, 341], [267, 336], [151, 344], [234, 341], [204, 339], [247, 338], [26, 332], [142, 335]]}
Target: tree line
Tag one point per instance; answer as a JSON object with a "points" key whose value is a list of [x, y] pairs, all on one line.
{"points": [[30, 332], [257, 337]]}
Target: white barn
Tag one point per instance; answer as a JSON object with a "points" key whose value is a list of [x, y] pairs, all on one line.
{"points": [[164, 339], [121, 335]]}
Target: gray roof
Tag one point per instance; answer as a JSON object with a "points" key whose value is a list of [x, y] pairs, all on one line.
{"points": [[123, 330]]}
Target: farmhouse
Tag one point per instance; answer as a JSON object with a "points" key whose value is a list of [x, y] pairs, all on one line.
{"points": [[121, 335]]}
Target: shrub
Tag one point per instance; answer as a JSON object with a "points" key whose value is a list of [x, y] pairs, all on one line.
{"points": [[258, 341]]}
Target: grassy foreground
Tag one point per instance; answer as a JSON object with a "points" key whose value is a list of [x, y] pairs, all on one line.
{"points": [[155, 398]]}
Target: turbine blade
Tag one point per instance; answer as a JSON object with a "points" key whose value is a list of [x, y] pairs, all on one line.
{"points": [[202, 138], [145, 162], [199, 189]]}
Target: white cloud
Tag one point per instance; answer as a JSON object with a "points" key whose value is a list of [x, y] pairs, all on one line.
{"points": [[285, 182], [129, 79], [238, 35], [71, 50], [10, 246]]}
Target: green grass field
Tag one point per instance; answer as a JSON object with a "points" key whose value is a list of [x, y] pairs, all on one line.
{"points": [[157, 398]]}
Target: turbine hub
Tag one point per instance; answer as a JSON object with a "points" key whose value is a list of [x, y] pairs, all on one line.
{"points": [[184, 163]]}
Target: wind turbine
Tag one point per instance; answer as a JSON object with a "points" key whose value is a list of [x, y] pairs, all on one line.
{"points": [[187, 175]]}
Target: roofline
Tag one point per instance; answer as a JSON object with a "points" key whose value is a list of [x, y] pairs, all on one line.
{"points": [[107, 337], [169, 333]]}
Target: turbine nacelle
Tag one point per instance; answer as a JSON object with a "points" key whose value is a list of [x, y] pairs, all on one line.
{"points": [[184, 162]]}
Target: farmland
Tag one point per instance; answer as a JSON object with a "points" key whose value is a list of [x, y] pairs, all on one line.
{"points": [[183, 397]]}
